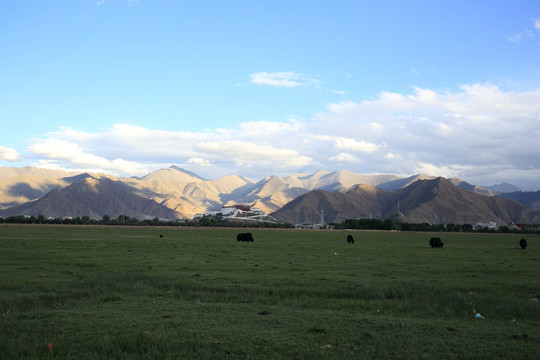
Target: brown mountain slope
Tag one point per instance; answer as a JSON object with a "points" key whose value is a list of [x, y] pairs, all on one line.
{"points": [[173, 174], [307, 208], [27, 187], [188, 198], [94, 198], [440, 201], [432, 201], [268, 194], [361, 201]]}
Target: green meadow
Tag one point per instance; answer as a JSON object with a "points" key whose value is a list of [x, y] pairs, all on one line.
{"points": [[104, 292]]}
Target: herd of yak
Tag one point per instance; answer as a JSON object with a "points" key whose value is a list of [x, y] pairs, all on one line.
{"points": [[434, 242]]}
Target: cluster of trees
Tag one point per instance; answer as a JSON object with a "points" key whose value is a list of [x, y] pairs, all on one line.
{"points": [[389, 224]]}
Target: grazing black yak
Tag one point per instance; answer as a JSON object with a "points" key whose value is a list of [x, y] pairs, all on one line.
{"points": [[350, 239], [436, 242], [247, 237], [523, 243]]}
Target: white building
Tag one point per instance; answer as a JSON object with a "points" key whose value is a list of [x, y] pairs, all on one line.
{"points": [[491, 225], [237, 211]]}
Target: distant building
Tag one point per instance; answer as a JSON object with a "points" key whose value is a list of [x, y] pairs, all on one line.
{"points": [[321, 225], [242, 212], [514, 226], [491, 225]]}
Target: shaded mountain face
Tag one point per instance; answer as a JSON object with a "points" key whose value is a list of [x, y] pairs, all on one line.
{"points": [[362, 201], [527, 198], [439, 201], [26, 187], [94, 198], [436, 201]]}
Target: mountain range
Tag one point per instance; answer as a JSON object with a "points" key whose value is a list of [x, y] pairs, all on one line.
{"points": [[176, 193], [434, 201]]}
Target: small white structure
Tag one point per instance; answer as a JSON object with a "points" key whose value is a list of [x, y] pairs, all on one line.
{"points": [[491, 225], [513, 226], [242, 212]]}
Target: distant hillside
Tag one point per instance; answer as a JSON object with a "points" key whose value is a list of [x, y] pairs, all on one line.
{"points": [[503, 188], [400, 183], [335, 181], [94, 198], [527, 198], [436, 201], [188, 194], [173, 174], [439, 201], [9, 172], [19, 187], [362, 201], [473, 188], [403, 182]]}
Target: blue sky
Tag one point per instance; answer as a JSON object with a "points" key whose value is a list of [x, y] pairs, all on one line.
{"points": [[258, 88]]}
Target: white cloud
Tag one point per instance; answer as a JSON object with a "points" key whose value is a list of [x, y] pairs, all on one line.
{"points": [[199, 161], [242, 153], [338, 92], [392, 156], [345, 158], [283, 79], [9, 154], [352, 144], [476, 133], [526, 33], [447, 171], [64, 152], [516, 38], [347, 143]]}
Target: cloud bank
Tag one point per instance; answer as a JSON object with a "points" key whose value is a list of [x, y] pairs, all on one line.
{"points": [[479, 133]]}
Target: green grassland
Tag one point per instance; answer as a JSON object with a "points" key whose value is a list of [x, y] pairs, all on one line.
{"points": [[108, 292]]}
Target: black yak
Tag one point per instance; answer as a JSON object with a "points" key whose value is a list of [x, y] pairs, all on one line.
{"points": [[247, 237], [436, 242], [523, 243], [350, 239]]}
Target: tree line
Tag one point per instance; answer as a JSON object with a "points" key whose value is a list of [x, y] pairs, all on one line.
{"points": [[131, 221], [389, 224], [213, 221]]}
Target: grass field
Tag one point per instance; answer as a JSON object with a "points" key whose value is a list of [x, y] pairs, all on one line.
{"points": [[196, 293]]}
